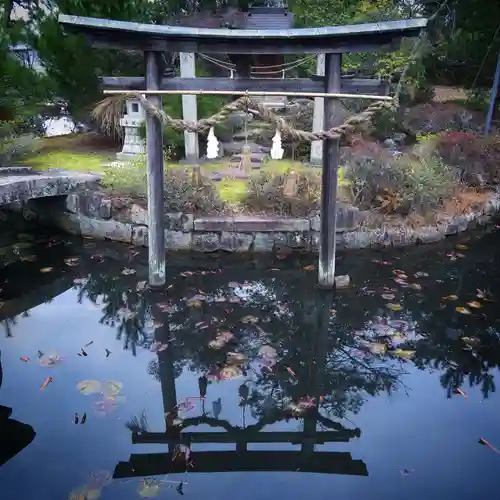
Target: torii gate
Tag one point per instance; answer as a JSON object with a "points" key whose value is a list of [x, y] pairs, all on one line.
{"points": [[154, 40]]}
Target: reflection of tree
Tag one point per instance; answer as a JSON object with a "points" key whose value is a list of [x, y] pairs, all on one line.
{"points": [[123, 306], [8, 323]]}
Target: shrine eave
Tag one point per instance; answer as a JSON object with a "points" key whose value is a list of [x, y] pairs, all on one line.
{"points": [[107, 33]]}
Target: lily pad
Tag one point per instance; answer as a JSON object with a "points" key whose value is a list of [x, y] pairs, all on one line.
{"points": [[112, 388], [87, 387]]}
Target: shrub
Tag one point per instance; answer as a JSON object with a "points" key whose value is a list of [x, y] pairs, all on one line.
{"points": [[15, 149], [397, 185], [181, 193], [477, 157], [265, 193]]}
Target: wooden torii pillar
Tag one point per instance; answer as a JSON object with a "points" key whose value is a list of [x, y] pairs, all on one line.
{"points": [[154, 39]]}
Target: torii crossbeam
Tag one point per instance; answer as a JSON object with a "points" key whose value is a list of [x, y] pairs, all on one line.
{"points": [[155, 39]]}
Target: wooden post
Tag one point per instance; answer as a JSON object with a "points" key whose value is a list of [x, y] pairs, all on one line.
{"points": [[154, 147], [326, 268], [493, 98]]}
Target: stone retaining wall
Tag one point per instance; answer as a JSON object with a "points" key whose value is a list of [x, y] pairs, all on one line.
{"points": [[96, 214]]}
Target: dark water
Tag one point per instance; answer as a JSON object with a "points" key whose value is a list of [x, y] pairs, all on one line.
{"points": [[334, 396]]}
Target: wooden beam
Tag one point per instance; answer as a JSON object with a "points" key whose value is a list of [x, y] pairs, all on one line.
{"points": [[153, 464], [326, 268], [331, 95], [154, 146], [364, 37], [314, 84], [231, 437], [363, 43]]}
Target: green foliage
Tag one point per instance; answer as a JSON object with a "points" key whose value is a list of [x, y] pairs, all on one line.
{"points": [[477, 157], [265, 193], [181, 193], [397, 185], [15, 149]]}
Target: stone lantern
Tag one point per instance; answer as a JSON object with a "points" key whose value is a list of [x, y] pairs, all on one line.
{"points": [[133, 145]]}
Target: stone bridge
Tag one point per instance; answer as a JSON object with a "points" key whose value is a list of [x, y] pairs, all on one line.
{"points": [[19, 184]]}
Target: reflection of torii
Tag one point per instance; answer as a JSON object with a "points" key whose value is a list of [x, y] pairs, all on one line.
{"points": [[14, 435], [305, 460]]}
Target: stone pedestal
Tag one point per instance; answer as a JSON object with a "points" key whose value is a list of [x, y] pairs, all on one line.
{"points": [[318, 117], [133, 145]]}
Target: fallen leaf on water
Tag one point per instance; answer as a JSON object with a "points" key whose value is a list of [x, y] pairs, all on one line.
{"points": [[462, 310], [307, 402], [87, 387], [48, 380], [28, 258], [462, 393], [377, 348], [421, 274], [415, 286], [141, 285], [388, 296], [290, 371], [400, 281], [49, 361], [405, 472], [309, 268], [127, 271], [194, 303], [24, 358], [394, 307], [230, 372], [474, 304], [46, 269], [250, 319], [490, 446], [461, 247], [450, 297], [235, 358], [403, 353], [470, 340], [72, 261]]}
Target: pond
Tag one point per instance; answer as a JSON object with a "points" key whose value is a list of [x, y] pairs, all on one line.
{"points": [[241, 379]]}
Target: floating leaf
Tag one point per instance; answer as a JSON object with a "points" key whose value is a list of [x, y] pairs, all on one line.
{"points": [[474, 304], [266, 351], [50, 361], [377, 348], [403, 353], [236, 358], [230, 372], [194, 303], [112, 388], [141, 285], [421, 274], [149, 488], [394, 307], [462, 310], [46, 269], [415, 286], [309, 268], [250, 319], [127, 271], [72, 261], [307, 402], [87, 387], [461, 247], [450, 297], [388, 296], [28, 258]]}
